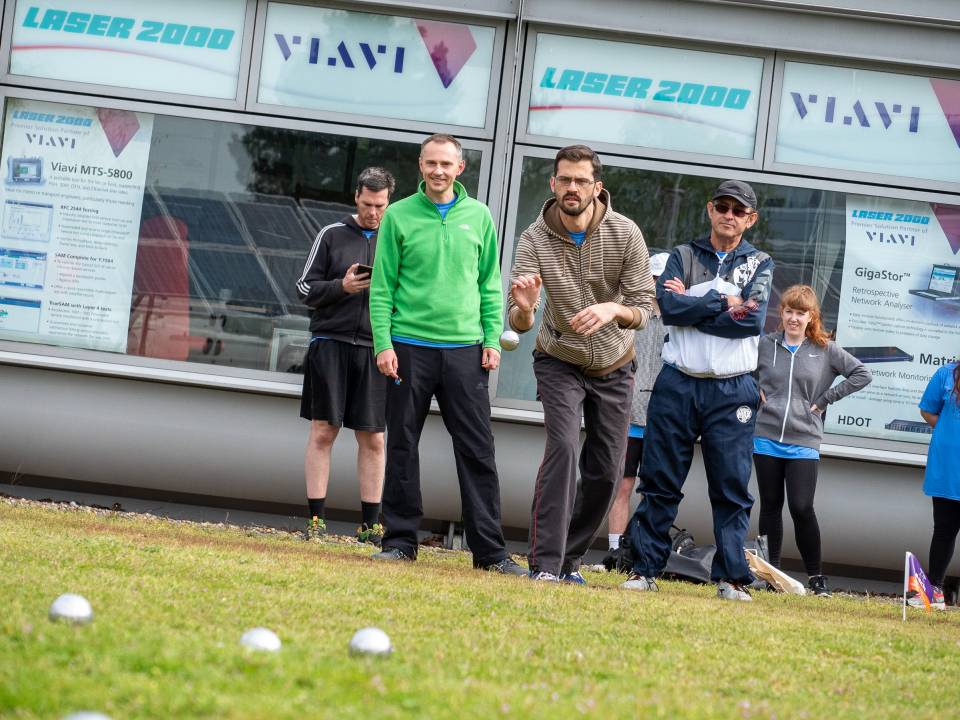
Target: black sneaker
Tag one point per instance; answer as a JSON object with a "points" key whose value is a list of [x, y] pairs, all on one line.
{"points": [[612, 560], [506, 567], [818, 585], [392, 555]]}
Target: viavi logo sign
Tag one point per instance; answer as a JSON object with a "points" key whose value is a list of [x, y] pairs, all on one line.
{"points": [[373, 65], [448, 45]]}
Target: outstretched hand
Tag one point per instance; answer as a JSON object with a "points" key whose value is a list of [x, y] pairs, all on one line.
{"points": [[525, 291]]}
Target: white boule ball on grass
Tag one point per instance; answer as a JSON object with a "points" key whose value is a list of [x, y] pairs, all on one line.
{"points": [[260, 638], [370, 641], [71, 608]]}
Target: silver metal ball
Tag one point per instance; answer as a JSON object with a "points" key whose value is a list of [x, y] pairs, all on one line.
{"points": [[509, 340], [370, 641], [71, 608], [260, 638], [86, 715]]}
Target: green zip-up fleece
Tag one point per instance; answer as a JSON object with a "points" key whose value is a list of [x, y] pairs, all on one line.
{"points": [[436, 279]]}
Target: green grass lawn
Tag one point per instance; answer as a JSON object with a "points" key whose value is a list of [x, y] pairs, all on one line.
{"points": [[172, 599]]}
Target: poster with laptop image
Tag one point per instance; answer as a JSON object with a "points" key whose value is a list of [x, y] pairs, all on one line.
{"points": [[70, 200], [942, 285], [899, 311]]}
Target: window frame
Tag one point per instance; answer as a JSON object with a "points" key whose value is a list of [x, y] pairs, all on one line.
{"points": [[100, 362], [235, 103]]}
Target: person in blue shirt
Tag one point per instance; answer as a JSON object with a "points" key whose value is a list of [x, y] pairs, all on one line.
{"points": [[796, 368], [940, 407]]}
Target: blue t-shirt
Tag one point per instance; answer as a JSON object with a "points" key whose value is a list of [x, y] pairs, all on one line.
{"points": [[791, 348], [429, 343], [766, 446], [636, 431], [368, 233], [577, 237], [444, 208], [942, 478]]}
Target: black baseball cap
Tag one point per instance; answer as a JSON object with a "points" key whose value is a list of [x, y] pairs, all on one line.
{"points": [[739, 191]]}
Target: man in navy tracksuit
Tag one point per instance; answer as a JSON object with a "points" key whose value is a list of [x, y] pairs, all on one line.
{"points": [[713, 297]]}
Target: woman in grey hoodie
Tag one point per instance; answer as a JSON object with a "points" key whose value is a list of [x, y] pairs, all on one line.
{"points": [[796, 369]]}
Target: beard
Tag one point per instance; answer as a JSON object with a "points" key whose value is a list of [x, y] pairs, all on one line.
{"points": [[573, 211]]}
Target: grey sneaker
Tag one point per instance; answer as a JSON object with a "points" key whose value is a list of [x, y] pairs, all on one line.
{"points": [[392, 555], [640, 583], [543, 576], [506, 567], [732, 591]]}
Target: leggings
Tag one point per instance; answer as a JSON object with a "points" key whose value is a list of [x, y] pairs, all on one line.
{"points": [[800, 479], [946, 523]]}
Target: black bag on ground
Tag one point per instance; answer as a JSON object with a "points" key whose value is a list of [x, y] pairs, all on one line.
{"points": [[687, 561]]}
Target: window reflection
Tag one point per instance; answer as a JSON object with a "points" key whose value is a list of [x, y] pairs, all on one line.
{"points": [[229, 215], [802, 229]]}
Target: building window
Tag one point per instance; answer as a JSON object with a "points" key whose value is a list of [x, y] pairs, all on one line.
{"points": [[883, 268], [170, 237]]}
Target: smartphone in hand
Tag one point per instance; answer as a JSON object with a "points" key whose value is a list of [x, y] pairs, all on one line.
{"points": [[364, 269]]}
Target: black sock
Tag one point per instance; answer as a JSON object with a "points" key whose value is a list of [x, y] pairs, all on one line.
{"points": [[316, 507], [370, 512]]}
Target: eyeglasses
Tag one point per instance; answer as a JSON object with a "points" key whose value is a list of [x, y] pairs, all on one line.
{"points": [[582, 183], [739, 211]]}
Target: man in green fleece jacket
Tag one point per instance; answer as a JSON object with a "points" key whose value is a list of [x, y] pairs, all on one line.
{"points": [[436, 311]]}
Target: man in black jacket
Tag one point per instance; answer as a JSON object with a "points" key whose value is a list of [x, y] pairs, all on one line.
{"points": [[341, 383]]}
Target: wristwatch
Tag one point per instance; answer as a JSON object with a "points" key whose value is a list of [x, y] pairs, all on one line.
{"points": [[724, 303]]}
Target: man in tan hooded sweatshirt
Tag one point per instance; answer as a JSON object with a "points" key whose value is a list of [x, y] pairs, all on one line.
{"points": [[592, 263]]}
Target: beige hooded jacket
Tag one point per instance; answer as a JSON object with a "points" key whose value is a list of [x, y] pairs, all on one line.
{"points": [[611, 265]]}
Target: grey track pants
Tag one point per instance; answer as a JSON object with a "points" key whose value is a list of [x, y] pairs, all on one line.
{"points": [[562, 523]]}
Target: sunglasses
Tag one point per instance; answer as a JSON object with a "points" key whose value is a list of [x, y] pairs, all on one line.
{"points": [[739, 211]]}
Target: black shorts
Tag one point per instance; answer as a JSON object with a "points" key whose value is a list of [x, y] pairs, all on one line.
{"points": [[341, 385], [633, 458]]}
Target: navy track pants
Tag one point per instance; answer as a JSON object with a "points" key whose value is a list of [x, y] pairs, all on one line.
{"points": [[722, 411]]}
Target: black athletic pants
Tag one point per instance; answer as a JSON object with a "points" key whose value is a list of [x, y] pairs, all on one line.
{"points": [[946, 524], [461, 385], [799, 477]]}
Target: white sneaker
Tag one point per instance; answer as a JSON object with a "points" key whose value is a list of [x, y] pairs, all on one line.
{"points": [[732, 591], [640, 583], [543, 576]]}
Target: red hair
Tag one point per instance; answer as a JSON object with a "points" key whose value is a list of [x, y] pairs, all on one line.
{"points": [[804, 299]]}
